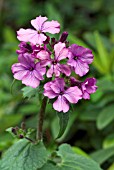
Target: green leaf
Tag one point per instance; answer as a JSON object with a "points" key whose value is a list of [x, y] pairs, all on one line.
{"points": [[72, 161], [29, 92], [103, 54], [109, 141], [24, 155], [63, 121], [111, 167], [105, 117], [102, 155], [50, 166], [80, 151]]}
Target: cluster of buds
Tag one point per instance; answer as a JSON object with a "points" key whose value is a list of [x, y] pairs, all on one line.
{"points": [[51, 62], [22, 132]]}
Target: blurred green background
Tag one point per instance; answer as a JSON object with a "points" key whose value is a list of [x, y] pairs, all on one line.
{"points": [[90, 23]]}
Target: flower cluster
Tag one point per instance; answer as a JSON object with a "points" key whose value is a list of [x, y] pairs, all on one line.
{"points": [[53, 61]]}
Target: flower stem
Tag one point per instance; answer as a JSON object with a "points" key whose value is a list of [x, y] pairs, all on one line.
{"points": [[39, 134]]}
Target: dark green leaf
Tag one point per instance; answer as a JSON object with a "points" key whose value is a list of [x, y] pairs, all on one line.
{"points": [[105, 117], [102, 155], [63, 121], [72, 161], [24, 155]]}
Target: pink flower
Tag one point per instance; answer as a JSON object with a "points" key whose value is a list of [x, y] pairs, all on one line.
{"points": [[27, 71], [60, 53], [88, 87], [79, 58], [37, 36], [56, 88]]}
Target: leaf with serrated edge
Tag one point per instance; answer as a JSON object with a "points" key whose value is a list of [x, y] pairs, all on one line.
{"points": [[24, 155]]}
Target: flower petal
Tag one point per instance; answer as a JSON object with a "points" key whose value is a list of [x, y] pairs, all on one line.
{"points": [[65, 69], [52, 27], [61, 104], [60, 51], [73, 94], [81, 68], [26, 60], [50, 94], [26, 34], [19, 71], [58, 85], [30, 80], [38, 22], [44, 57]]}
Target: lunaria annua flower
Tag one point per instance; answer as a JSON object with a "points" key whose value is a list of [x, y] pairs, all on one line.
{"points": [[64, 95], [28, 71], [41, 55], [79, 58], [41, 26], [60, 53], [87, 87]]}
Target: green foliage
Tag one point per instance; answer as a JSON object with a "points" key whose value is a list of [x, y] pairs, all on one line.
{"points": [[71, 161], [105, 117], [63, 121], [29, 92], [24, 155], [90, 126], [102, 155]]}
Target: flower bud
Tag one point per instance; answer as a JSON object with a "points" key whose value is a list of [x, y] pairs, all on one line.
{"points": [[63, 37]]}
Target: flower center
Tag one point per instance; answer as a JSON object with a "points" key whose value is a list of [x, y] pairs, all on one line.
{"points": [[61, 92], [31, 69], [75, 57], [39, 32], [54, 62]]}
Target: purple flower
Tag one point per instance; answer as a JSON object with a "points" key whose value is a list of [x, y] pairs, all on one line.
{"points": [[79, 58], [37, 36], [28, 71], [61, 52], [24, 48], [56, 88], [88, 87]]}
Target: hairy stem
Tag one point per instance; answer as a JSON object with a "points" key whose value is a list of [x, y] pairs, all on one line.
{"points": [[41, 119]]}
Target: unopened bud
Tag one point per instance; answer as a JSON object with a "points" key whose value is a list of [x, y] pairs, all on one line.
{"points": [[21, 136], [63, 37]]}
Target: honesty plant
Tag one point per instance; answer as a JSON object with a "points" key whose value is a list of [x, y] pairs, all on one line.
{"points": [[41, 58], [49, 67]]}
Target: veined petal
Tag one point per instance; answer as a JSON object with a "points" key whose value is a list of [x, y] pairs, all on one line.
{"points": [[26, 60], [26, 34], [30, 80], [50, 94], [86, 95], [58, 85], [81, 68], [65, 69], [61, 104], [40, 69], [44, 57], [17, 67], [52, 27], [58, 51], [50, 71], [73, 94], [38, 39], [38, 22]]}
